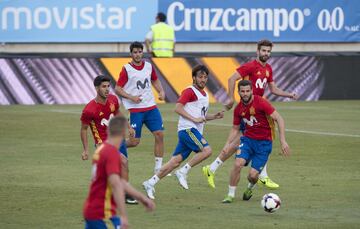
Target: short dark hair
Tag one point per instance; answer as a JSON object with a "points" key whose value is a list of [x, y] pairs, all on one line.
{"points": [[243, 83], [200, 68], [99, 79], [117, 126], [161, 16], [136, 44], [264, 43]]}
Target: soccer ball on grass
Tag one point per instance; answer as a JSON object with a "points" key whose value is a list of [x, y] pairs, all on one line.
{"points": [[270, 202]]}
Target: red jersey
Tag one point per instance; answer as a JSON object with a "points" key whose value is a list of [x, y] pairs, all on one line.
{"points": [[188, 95], [258, 74], [98, 115], [123, 79], [100, 203], [256, 116]]}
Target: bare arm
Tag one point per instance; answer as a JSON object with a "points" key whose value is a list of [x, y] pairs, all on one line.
{"points": [[122, 93], [281, 126], [119, 197], [179, 108], [217, 115], [277, 91], [158, 87], [84, 141], [148, 203], [231, 84], [148, 47], [233, 134]]}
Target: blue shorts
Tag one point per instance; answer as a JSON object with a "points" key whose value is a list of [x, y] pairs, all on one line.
{"points": [[256, 151], [152, 119], [123, 149], [113, 222], [189, 140]]}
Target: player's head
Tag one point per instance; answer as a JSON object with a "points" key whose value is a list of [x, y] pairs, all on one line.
{"points": [[263, 51], [102, 86], [160, 17], [245, 91], [117, 127], [136, 51], [200, 76]]}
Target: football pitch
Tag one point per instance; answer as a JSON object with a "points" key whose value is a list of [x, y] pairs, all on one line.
{"points": [[43, 181]]}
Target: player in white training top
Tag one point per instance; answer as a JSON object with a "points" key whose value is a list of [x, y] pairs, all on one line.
{"points": [[192, 106], [134, 88]]}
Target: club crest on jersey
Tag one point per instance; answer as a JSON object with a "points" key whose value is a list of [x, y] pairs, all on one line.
{"points": [[267, 73], [252, 111], [105, 122], [112, 107], [142, 85], [250, 122]]}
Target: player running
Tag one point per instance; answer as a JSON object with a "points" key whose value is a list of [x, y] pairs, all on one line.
{"points": [[192, 106], [134, 88], [256, 144], [96, 115], [259, 72]]}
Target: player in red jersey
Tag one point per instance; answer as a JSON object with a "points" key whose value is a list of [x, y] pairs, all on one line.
{"points": [[256, 143], [260, 74], [96, 115], [135, 90], [106, 196]]}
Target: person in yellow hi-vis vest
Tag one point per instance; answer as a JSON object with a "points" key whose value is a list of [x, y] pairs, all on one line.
{"points": [[160, 40]]}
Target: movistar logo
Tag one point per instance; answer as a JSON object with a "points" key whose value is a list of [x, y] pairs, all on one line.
{"points": [[105, 122], [260, 83], [204, 111], [142, 85], [250, 122]]}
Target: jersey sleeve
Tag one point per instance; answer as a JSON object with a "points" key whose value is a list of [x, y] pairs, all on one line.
{"points": [[117, 105], [245, 69], [186, 96], [237, 118], [123, 78], [86, 117], [113, 164], [153, 74], [270, 79], [267, 107]]}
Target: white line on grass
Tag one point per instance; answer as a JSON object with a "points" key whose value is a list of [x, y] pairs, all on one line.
{"points": [[228, 125]]}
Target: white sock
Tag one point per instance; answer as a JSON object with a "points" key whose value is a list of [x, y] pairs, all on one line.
{"points": [[232, 191], [263, 173], [251, 185], [153, 180], [215, 165], [185, 169], [158, 163]]}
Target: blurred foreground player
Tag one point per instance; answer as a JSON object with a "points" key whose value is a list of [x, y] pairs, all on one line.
{"points": [[105, 204]]}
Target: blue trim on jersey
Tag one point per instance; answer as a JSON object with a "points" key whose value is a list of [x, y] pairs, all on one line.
{"points": [[152, 120], [256, 151], [101, 224], [189, 140]]}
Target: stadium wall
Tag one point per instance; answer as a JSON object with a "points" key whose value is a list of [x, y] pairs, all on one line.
{"points": [[68, 80]]}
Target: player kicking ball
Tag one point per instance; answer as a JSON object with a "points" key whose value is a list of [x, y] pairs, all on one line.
{"points": [[192, 106], [256, 143]]}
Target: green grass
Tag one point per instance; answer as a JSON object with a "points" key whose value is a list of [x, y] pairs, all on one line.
{"points": [[43, 181]]}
